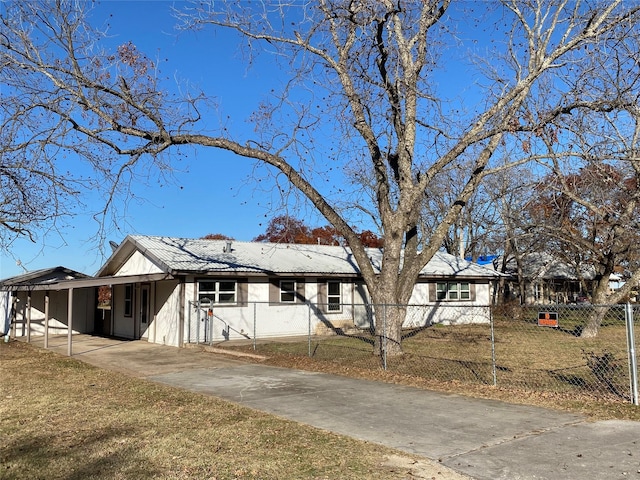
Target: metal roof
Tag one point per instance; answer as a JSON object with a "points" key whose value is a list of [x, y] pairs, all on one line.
{"points": [[43, 278], [183, 255], [545, 266]]}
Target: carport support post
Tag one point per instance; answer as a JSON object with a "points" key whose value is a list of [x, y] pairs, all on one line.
{"points": [[46, 319], [70, 322], [189, 321], [28, 317], [14, 315]]}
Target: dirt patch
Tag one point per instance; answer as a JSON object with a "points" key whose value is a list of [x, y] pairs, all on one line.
{"points": [[423, 469]]}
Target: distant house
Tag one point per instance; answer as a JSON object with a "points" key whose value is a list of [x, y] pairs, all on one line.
{"points": [[548, 279], [174, 290]]}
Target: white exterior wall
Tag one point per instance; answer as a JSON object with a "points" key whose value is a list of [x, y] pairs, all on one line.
{"points": [[138, 264], [424, 311], [242, 321], [164, 321], [262, 319], [123, 326], [165, 318]]}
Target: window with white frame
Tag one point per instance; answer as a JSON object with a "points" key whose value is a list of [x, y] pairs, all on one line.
{"points": [[452, 291], [334, 296], [287, 291], [217, 291]]}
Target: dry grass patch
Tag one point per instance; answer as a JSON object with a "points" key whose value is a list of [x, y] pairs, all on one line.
{"points": [[63, 419]]}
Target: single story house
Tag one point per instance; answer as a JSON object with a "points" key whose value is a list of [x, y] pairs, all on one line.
{"points": [[174, 291], [550, 280]]}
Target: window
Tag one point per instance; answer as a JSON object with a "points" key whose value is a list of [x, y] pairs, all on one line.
{"points": [[287, 291], [537, 291], [453, 291], [217, 291], [334, 297], [128, 300]]}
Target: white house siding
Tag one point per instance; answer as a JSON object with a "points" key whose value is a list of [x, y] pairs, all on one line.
{"points": [[165, 323], [363, 312], [276, 319], [83, 312], [123, 326], [163, 326], [425, 310], [254, 315], [138, 264], [264, 319], [257, 316]]}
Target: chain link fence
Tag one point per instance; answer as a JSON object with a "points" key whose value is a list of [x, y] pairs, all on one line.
{"points": [[549, 348]]}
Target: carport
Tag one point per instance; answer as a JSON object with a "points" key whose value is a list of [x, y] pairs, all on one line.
{"points": [[52, 283]]}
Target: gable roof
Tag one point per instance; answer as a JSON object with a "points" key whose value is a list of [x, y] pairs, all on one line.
{"points": [[180, 256], [43, 277], [545, 266]]}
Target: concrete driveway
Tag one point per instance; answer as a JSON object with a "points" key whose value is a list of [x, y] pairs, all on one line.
{"points": [[481, 438], [136, 357]]}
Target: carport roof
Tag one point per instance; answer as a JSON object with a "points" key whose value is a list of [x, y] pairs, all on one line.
{"points": [[42, 279], [47, 280]]}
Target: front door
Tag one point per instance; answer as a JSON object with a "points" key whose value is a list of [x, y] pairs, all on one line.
{"points": [[144, 312]]}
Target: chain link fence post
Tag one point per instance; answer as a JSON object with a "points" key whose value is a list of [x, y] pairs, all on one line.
{"points": [[197, 306], [254, 326], [633, 364], [493, 348], [309, 329], [210, 322], [383, 344]]}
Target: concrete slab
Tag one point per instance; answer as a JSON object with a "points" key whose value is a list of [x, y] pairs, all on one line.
{"points": [[135, 357], [600, 450]]}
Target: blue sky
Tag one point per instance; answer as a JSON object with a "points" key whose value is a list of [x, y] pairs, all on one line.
{"points": [[213, 191]]}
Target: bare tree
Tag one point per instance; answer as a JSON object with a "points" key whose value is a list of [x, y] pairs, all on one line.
{"points": [[471, 233], [589, 217], [589, 203], [510, 192], [366, 75]]}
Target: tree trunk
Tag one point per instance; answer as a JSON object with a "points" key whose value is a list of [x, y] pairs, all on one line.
{"points": [[594, 320], [599, 310], [389, 320]]}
